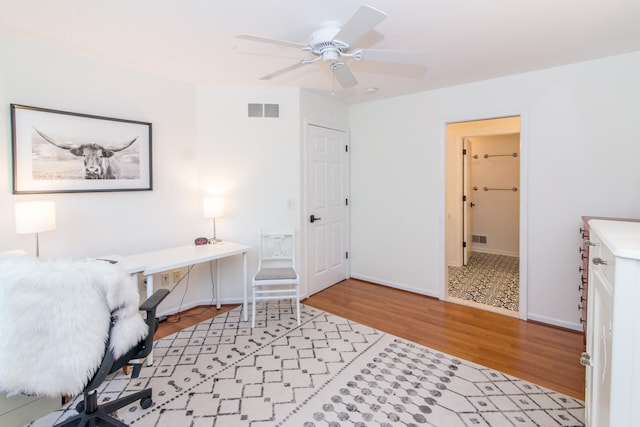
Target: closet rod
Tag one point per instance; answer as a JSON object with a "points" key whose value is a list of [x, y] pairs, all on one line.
{"points": [[486, 156], [511, 189]]}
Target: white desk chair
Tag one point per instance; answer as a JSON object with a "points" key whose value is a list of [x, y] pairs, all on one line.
{"points": [[277, 277]]}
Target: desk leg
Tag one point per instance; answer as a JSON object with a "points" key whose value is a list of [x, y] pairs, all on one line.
{"points": [[149, 280], [217, 286], [244, 287]]}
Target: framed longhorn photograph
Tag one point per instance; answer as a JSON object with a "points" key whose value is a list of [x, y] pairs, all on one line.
{"points": [[62, 152]]}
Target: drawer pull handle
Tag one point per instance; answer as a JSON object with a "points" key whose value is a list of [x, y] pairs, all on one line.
{"points": [[600, 261]]}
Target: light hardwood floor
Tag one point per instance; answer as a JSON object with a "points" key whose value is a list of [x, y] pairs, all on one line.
{"points": [[542, 354]]}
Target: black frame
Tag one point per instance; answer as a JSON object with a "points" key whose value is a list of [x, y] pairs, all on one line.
{"points": [[55, 152]]}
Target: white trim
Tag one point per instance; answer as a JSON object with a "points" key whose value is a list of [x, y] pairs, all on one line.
{"points": [[524, 194], [555, 322], [304, 290], [402, 287], [524, 218], [494, 251]]}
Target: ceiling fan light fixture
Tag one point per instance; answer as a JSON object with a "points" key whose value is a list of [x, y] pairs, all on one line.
{"points": [[330, 55]]}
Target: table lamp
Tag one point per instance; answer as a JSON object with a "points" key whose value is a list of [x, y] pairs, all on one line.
{"points": [[213, 207], [35, 217]]}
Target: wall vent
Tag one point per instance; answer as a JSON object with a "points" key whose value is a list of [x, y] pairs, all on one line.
{"points": [[478, 239], [264, 110], [272, 110], [255, 110]]}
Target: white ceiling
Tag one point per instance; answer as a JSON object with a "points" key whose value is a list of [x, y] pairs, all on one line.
{"points": [[194, 40]]}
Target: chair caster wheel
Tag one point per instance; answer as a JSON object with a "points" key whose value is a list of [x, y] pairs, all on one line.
{"points": [[146, 403], [80, 407]]}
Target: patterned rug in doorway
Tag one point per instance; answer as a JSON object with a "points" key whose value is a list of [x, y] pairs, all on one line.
{"points": [[328, 371]]}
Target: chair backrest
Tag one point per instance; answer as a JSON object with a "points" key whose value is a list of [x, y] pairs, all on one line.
{"points": [[277, 249]]}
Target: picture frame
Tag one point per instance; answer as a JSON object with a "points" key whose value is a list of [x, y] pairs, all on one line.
{"points": [[63, 152]]}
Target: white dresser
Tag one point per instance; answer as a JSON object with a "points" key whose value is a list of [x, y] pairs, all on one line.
{"points": [[612, 356]]}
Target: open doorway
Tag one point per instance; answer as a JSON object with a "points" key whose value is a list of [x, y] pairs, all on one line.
{"points": [[483, 214]]}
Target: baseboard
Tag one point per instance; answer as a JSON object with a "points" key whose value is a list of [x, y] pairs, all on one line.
{"points": [[495, 252], [395, 285], [555, 322], [168, 311]]}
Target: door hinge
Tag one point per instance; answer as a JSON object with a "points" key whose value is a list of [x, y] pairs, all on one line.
{"points": [[464, 198], [346, 202], [346, 148], [464, 244], [464, 151], [346, 255]]}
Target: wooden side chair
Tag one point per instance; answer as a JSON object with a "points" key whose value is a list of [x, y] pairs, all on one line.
{"points": [[276, 277]]}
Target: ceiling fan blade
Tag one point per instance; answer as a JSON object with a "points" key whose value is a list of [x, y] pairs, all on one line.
{"points": [[284, 70], [359, 24], [344, 75], [271, 41], [381, 55]]}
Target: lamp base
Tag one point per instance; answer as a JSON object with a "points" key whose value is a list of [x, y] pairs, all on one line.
{"points": [[214, 240]]}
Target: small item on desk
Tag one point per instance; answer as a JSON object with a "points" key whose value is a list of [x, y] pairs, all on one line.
{"points": [[201, 241]]}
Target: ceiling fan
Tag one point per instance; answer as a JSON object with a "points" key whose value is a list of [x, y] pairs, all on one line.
{"points": [[331, 43]]}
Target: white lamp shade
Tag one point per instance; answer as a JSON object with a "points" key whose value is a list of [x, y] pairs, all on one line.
{"points": [[34, 217], [213, 207]]}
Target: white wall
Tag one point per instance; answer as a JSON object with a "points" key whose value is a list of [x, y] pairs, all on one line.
{"points": [[580, 123], [254, 163], [203, 144], [96, 224], [496, 214]]}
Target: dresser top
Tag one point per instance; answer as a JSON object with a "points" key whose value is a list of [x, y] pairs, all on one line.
{"points": [[622, 237]]}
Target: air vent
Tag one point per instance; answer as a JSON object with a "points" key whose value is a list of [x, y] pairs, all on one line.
{"points": [[272, 110], [255, 110], [478, 239], [264, 110]]}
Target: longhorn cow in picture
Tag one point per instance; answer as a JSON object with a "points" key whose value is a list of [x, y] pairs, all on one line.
{"points": [[98, 161]]}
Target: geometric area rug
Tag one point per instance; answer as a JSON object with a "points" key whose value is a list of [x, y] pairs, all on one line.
{"points": [[328, 371]]}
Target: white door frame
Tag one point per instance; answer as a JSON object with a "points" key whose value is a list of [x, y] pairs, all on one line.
{"points": [[466, 202], [524, 196]]}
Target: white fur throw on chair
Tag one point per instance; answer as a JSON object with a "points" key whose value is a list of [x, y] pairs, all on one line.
{"points": [[54, 322]]}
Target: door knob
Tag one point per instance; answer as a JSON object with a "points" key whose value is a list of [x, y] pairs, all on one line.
{"points": [[314, 218], [472, 204]]}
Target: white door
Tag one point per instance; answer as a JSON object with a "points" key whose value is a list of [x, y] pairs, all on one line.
{"points": [[467, 202], [327, 208]]}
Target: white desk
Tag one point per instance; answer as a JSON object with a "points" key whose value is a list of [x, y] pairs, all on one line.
{"points": [[150, 263]]}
